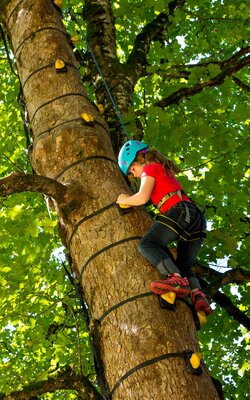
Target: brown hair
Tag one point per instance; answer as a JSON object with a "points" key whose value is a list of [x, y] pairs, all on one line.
{"points": [[155, 156]]}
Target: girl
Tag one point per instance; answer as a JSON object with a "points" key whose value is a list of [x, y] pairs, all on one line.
{"points": [[179, 220]]}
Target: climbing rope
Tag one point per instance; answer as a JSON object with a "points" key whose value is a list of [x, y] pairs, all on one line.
{"points": [[84, 310], [75, 19], [22, 110]]}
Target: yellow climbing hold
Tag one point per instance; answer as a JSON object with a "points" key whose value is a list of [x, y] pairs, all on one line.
{"points": [[202, 317], [58, 3], [100, 108], [169, 297], [74, 39], [124, 206], [87, 117], [195, 359], [59, 64]]}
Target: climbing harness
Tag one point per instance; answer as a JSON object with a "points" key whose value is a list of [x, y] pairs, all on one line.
{"points": [[168, 196], [164, 199], [182, 233]]}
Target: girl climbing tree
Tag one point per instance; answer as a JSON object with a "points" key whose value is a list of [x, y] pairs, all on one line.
{"points": [[178, 219], [73, 157]]}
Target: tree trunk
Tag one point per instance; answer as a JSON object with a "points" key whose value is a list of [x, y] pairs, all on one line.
{"points": [[103, 243]]}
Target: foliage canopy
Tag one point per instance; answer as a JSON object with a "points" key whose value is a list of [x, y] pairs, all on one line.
{"points": [[190, 101]]}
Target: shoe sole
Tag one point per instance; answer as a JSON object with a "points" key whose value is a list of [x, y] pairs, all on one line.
{"points": [[161, 288]]}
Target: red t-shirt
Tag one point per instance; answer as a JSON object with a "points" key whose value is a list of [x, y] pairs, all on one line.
{"points": [[165, 183]]}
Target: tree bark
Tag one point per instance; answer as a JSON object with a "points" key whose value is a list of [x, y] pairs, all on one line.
{"points": [[103, 243]]}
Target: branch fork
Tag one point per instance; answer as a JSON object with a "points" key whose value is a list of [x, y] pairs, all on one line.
{"points": [[64, 195]]}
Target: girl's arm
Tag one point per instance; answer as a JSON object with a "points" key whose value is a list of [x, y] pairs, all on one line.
{"points": [[140, 198]]}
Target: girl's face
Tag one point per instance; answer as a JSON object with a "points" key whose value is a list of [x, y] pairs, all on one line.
{"points": [[136, 169]]}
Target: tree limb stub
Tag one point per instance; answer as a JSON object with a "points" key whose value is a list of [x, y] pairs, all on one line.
{"points": [[18, 182]]}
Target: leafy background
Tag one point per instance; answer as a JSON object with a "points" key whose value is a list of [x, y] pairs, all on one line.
{"points": [[42, 327]]}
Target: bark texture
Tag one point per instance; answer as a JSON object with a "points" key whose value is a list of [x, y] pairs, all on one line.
{"points": [[103, 243]]}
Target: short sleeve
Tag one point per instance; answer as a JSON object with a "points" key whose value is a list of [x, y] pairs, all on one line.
{"points": [[149, 170]]}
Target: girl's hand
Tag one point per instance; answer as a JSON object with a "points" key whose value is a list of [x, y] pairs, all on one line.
{"points": [[121, 199]]}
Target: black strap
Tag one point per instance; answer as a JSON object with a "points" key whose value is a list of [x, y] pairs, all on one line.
{"points": [[133, 298], [146, 363], [13, 10], [57, 126], [45, 67], [54, 99], [83, 306], [183, 234], [82, 161], [52, 28], [79, 119], [95, 347], [107, 248], [88, 217], [95, 342]]}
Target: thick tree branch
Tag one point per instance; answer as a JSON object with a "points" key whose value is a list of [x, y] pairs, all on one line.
{"points": [[151, 32], [241, 84], [228, 68], [101, 28], [66, 197], [18, 182], [218, 280], [233, 311], [64, 380]]}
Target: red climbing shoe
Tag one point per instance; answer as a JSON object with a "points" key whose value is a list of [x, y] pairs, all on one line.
{"points": [[200, 302], [173, 283]]}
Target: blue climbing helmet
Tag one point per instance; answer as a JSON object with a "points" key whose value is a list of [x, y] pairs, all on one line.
{"points": [[128, 153]]}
